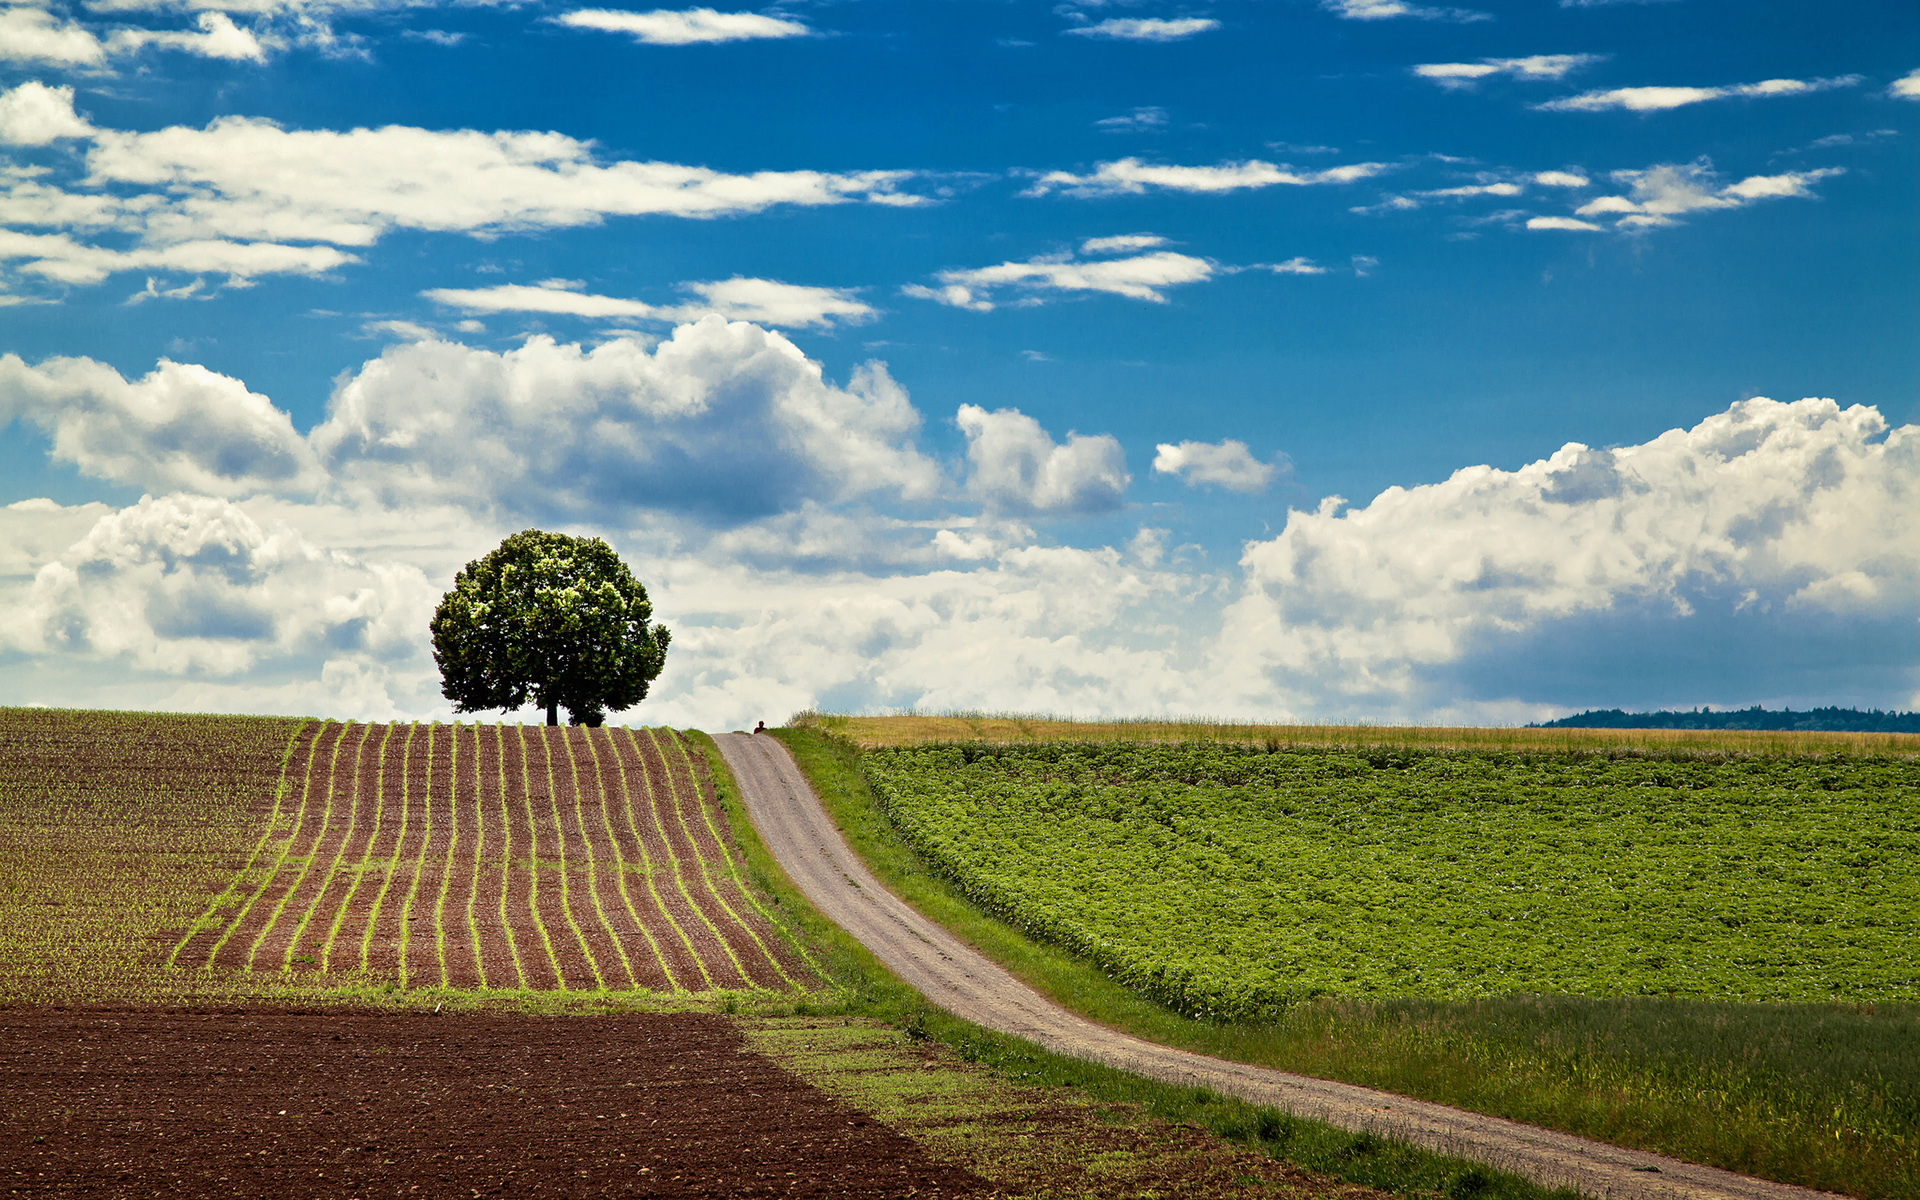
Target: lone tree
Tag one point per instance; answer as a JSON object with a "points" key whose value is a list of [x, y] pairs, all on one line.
{"points": [[551, 619]]}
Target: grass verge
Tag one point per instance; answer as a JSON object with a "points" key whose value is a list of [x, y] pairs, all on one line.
{"points": [[864, 988], [1822, 1095]]}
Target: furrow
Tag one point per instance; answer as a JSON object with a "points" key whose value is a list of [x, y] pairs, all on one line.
{"points": [[311, 947], [382, 932], [560, 841], [306, 860], [660, 957], [574, 743], [722, 964], [348, 921], [463, 951], [534, 865], [208, 929], [710, 848], [492, 772], [656, 856], [408, 915]]}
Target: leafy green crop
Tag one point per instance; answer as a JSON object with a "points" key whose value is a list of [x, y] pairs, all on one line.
{"points": [[1231, 883]]}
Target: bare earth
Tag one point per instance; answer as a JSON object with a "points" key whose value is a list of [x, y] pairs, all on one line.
{"points": [[800, 835]]}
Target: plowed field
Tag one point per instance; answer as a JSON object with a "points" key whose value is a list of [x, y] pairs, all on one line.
{"points": [[494, 857], [343, 1103]]}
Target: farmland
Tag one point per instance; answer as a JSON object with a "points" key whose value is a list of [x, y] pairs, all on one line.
{"points": [[164, 856], [1234, 882]]}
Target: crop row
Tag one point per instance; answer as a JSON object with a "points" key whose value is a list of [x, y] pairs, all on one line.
{"points": [[1230, 882], [494, 856]]}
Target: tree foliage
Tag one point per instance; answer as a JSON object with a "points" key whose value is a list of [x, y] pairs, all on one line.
{"points": [[551, 620]]}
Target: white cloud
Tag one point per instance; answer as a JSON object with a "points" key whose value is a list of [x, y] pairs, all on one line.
{"points": [[1131, 177], [244, 196], [29, 34], [1653, 99], [787, 305], [1147, 29], [1140, 120], [1779, 501], [1659, 195], [193, 585], [1123, 243], [762, 301], [1445, 602], [34, 114], [1228, 464], [1015, 465], [219, 37], [1907, 87], [1296, 266], [1385, 10], [1142, 277], [1568, 223], [666, 27], [180, 428], [1533, 67], [1560, 179]]}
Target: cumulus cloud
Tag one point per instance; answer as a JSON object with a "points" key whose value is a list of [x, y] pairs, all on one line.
{"points": [[1801, 507], [1907, 87], [1140, 277], [762, 301], [34, 35], [1386, 10], [723, 421], [34, 114], [1533, 67], [1654, 99], [1014, 465], [218, 37], [252, 198], [1560, 179], [1573, 224], [1659, 195], [1228, 464], [1131, 177], [179, 428], [186, 585], [1146, 29], [667, 27]]}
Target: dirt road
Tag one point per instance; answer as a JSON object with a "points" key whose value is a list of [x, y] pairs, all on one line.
{"points": [[798, 832]]}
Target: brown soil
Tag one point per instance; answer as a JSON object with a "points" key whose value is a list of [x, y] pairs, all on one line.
{"points": [[566, 859], [97, 1103]]}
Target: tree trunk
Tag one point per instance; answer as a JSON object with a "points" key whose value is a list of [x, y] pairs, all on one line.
{"points": [[553, 712]]}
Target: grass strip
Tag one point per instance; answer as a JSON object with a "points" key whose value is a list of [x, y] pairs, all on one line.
{"points": [[678, 741], [646, 856], [863, 987], [281, 790]]}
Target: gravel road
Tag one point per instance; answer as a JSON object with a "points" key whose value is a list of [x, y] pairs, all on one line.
{"points": [[798, 832]]}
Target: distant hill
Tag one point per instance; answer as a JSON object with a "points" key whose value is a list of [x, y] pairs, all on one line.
{"points": [[1839, 720]]}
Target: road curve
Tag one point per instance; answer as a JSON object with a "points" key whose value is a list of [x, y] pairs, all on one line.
{"points": [[798, 832]]}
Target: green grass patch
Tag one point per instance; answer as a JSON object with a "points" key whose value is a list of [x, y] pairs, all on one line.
{"points": [[867, 989], [1820, 1094]]}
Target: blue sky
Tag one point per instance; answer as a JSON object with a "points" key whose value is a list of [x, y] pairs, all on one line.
{"points": [[1351, 360]]}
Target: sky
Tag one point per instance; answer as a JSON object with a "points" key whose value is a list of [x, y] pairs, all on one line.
{"points": [[1297, 360]]}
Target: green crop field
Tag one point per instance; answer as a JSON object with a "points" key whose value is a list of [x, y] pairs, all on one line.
{"points": [[1226, 881]]}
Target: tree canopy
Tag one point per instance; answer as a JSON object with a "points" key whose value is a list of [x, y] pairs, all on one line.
{"points": [[551, 620]]}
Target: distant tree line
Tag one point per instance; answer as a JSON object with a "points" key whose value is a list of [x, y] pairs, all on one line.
{"points": [[1837, 720]]}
